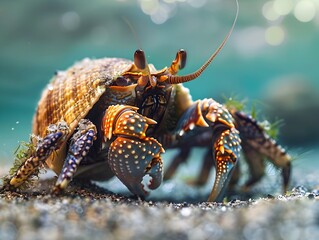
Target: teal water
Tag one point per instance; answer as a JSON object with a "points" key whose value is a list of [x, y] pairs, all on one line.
{"points": [[40, 36]]}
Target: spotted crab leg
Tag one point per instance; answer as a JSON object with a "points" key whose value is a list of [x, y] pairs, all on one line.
{"points": [[81, 142], [258, 145], [226, 141], [44, 148], [132, 155]]}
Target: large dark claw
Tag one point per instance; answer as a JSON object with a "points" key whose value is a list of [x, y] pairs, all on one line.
{"points": [[131, 160], [226, 154], [156, 173], [226, 141]]}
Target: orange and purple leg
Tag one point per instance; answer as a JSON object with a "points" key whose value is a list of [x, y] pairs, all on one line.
{"points": [[80, 144], [44, 147]]}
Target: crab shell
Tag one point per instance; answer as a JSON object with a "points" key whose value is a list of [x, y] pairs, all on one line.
{"points": [[71, 95]]}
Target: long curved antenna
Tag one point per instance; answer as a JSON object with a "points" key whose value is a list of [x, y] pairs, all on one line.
{"points": [[186, 78], [133, 31]]}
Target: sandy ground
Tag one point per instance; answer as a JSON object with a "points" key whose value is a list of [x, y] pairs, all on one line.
{"points": [[91, 212]]}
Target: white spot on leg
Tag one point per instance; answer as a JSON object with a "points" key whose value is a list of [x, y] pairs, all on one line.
{"points": [[146, 181], [181, 133]]}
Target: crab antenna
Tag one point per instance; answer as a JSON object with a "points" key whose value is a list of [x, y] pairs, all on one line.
{"points": [[186, 78]]}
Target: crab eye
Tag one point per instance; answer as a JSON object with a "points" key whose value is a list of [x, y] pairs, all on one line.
{"points": [[139, 59], [181, 57], [122, 81]]}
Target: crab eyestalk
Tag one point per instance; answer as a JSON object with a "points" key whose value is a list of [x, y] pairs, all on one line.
{"points": [[141, 63], [179, 62], [226, 155]]}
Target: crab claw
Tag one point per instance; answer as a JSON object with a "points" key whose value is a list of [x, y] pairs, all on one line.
{"points": [[226, 154], [132, 159]]}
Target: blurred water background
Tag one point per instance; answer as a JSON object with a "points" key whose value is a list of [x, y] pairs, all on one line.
{"points": [[271, 60]]}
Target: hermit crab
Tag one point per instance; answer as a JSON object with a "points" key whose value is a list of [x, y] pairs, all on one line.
{"points": [[114, 117]]}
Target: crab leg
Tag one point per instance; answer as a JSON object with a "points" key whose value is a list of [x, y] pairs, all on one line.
{"points": [[257, 145], [132, 155], [178, 159], [80, 145], [182, 156], [226, 142], [256, 165], [51, 142], [205, 170]]}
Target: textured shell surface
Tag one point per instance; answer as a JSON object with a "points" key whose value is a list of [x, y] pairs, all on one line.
{"points": [[72, 93]]}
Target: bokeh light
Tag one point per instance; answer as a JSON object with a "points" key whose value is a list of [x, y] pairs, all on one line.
{"points": [[274, 35], [249, 41], [149, 7], [70, 21], [305, 10], [161, 10], [283, 7], [269, 12], [196, 3]]}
